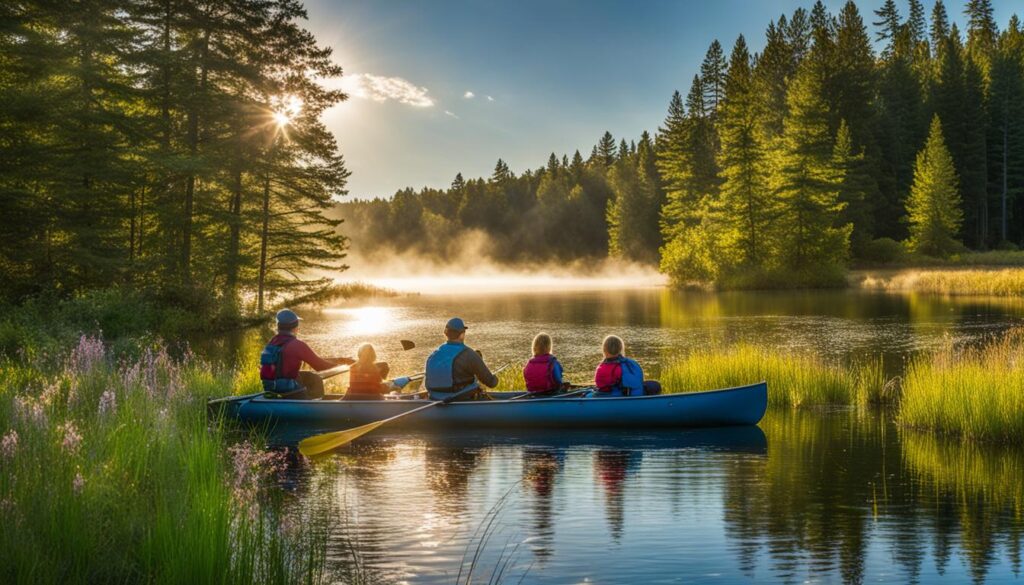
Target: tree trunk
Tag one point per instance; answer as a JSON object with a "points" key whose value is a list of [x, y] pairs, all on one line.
{"points": [[264, 234], [1003, 194], [131, 229], [193, 150], [234, 236]]}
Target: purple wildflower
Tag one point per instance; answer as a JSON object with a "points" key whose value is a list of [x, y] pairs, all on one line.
{"points": [[30, 411], [9, 444], [108, 402], [72, 438], [89, 354]]}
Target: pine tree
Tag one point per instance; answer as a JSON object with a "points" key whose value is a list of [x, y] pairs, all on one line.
{"points": [[675, 165], [745, 207], [939, 28], [798, 36], [606, 150], [501, 173], [982, 33], [1006, 110], [933, 207], [806, 183], [916, 25], [774, 67], [712, 77], [888, 24], [856, 188]]}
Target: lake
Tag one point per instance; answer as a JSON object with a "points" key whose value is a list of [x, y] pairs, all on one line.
{"points": [[817, 495]]}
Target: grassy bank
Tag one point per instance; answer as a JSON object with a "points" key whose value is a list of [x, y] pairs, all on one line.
{"points": [[793, 379], [976, 282], [113, 474], [977, 393]]}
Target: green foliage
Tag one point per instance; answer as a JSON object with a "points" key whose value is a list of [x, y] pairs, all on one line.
{"points": [[793, 380], [934, 204], [141, 146], [112, 473], [883, 251], [973, 393]]}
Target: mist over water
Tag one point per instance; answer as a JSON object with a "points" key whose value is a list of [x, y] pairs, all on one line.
{"points": [[472, 271]]}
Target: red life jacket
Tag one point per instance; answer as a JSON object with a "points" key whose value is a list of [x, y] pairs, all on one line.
{"points": [[539, 374], [608, 376], [364, 379]]}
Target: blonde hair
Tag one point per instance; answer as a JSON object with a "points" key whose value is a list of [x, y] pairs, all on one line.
{"points": [[541, 344], [613, 345], [366, 353]]}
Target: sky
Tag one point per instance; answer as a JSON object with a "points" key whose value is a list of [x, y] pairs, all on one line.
{"points": [[440, 87]]}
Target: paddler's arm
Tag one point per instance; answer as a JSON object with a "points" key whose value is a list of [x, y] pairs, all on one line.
{"points": [[476, 365], [318, 363]]}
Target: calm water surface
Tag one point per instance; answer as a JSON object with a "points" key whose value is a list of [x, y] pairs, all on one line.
{"points": [[810, 496]]}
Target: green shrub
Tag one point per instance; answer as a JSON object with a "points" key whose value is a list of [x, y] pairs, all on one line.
{"points": [[883, 251]]}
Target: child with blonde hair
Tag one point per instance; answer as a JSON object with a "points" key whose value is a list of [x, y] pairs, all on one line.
{"points": [[543, 373], [618, 375], [366, 376]]}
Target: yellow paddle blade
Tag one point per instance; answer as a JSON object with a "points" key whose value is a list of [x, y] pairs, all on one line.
{"points": [[320, 444]]}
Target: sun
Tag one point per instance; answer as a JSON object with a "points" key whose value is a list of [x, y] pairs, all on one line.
{"points": [[286, 109]]}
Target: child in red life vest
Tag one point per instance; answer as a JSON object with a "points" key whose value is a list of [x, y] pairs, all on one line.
{"points": [[619, 375], [366, 376], [543, 373]]}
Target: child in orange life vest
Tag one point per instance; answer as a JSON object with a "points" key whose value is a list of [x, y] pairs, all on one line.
{"points": [[366, 376], [618, 375], [543, 373]]}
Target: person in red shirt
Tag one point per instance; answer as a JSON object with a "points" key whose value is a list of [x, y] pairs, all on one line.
{"points": [[284, 355]]}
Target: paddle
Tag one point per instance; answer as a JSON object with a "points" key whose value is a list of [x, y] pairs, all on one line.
{"points": [[320, 444]]}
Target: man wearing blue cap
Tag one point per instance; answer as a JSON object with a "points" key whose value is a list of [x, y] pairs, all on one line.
{"points": [[453, 366], [284, 354]]}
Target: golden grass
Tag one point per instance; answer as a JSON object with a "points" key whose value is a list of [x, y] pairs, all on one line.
{"points": [[977, 393], [793, 379], [1006, 282]]}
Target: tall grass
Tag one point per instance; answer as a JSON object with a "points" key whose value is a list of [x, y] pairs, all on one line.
{"points": [[977, 393], [111, 473], [793, 379], [1006, 282]]}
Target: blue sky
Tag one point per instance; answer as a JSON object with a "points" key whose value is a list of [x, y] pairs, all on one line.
{"points": [[543, 76]]}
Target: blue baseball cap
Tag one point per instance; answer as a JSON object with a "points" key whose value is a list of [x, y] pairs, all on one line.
{"points": [[287, 317], [456, 324]]}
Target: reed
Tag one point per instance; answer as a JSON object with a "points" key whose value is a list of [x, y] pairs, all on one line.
{"points": [[113, 474], [977, 393], [794, 380], [974, 282]]}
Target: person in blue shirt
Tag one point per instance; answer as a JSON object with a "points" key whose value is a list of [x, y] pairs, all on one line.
{"points": [[453, 366]]}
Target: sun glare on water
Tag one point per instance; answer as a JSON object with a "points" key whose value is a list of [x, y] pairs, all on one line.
{"points": [[365, 321]]}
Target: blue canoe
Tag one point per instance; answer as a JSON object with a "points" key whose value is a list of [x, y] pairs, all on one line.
{"points": [[744, 405]]}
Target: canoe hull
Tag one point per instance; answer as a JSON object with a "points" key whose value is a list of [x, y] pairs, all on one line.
{"points": [[730, 407]]}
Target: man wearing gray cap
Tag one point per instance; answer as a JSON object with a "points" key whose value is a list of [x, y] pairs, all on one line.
{"points": [[453, 366]]}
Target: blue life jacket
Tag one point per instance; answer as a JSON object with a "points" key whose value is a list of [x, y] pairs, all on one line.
{"points": [[271, 366], [632, 377], [439, 375]]}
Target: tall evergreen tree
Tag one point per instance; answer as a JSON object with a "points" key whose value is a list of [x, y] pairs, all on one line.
{"points": [[939, 30], [933, 207], [606, 150], [746, 209], [888, 24], [806, 183], [856, 188], [1006, 110], [712, 77]]}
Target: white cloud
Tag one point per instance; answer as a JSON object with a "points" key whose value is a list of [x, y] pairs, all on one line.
{"points": [[450, 113], [490, 99], [469, 95], [381, 89]]}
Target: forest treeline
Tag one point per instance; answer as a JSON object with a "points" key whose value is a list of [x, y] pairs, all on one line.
{"points": [[776, 168], [173, 147]]}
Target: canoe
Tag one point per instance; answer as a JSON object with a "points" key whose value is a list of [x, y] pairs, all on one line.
{"points": [[743, 405]]}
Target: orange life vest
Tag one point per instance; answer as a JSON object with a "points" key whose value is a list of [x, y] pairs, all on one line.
{"points": [[364, 379]]}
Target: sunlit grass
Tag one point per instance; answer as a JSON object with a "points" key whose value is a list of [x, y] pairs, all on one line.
{"points": [[793, 379], [113, 474], [1006, 282], [977, 393]]}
